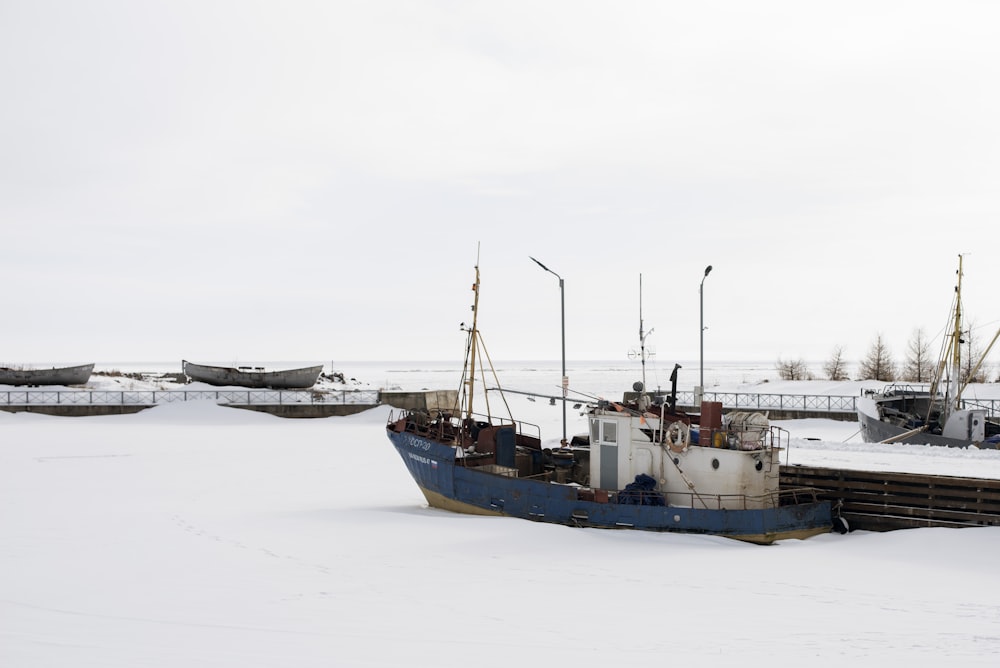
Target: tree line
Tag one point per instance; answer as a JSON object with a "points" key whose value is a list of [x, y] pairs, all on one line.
{"points": [[917, 365]]}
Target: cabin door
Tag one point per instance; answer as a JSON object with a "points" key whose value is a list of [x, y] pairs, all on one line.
{"points": [[642, 462], [607, 441]]}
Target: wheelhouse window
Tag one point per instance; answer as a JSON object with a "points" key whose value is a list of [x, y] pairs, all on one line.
{"points": [[609, 432]]}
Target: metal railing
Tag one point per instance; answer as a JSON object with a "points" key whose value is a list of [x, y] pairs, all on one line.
{"points": [[155, 397], [699, 501], [757, 401], [730, 400], [805, 402], [445, 428]]}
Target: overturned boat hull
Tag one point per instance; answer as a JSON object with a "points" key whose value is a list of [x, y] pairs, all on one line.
{"points": [[252, 377], [70, 375]]}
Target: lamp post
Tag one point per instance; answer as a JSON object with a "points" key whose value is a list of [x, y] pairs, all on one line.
{"points": [[565, 380], [701, 333]]}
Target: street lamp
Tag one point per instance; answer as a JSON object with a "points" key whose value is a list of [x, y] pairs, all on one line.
{"points": [[701, 333], [565, 380]]}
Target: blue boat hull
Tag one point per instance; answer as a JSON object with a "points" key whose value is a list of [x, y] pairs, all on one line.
{"points": [[447, 484]]}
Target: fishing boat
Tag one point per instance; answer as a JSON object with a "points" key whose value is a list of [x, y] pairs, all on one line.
{"points": [[643, 465], [69, 375], [936, 414], [253, 376]]}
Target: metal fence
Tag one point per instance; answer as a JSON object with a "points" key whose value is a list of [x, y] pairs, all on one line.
{"points": [[155, 397], [760, 402], [731, 400], [804, 402]]}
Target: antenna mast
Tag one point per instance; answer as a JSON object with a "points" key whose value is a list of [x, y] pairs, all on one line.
{"points": [[642, 338], [473, 338]]}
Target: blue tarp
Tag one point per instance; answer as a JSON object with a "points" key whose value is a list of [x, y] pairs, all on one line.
{"points": [[641, 492]]}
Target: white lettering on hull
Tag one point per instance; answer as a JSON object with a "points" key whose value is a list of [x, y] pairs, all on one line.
{"points": [[416, 443], [423, 460]]}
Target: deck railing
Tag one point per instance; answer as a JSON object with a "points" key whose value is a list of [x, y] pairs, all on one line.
{"points": [[695, 500]]}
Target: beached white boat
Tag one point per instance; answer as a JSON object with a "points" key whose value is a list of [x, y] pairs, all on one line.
{"points": [[69, 375], [256, 377]]}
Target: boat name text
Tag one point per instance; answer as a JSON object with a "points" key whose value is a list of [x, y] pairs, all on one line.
{"points": [[417, 444], [421, 459]]}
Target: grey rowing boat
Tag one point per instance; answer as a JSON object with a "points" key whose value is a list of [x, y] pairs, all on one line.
{"points": [[249, 376]]}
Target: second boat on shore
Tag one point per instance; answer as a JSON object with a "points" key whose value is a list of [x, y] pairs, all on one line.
{"points": [[253, 377]]}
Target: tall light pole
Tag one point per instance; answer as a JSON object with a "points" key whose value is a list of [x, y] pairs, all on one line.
{"points": [[701, 333], [565, 380]]}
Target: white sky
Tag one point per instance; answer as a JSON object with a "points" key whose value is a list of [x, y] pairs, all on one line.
{"points": [[220, 180]]}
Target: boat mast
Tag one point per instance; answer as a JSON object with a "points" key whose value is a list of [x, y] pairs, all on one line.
{"points": [[473, 339], [947, 372], [955, 382]]}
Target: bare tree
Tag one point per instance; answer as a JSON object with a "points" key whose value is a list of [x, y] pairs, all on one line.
{"points": [[793, 370], [918, 367], [878, 365], [971, 353], [835, 367], [987, 372]]}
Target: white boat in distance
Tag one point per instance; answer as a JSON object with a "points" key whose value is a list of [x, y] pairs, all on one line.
{"points": [[247, 376], [937, 415], [69, 375]]}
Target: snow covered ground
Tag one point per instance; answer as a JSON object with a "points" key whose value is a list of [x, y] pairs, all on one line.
{"points": [[198, 535]]}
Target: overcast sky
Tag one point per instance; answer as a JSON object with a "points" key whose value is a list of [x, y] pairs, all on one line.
{"points": [[238, 181]]}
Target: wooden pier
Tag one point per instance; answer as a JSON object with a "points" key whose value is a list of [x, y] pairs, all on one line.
{"points": [[883, 501]]}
